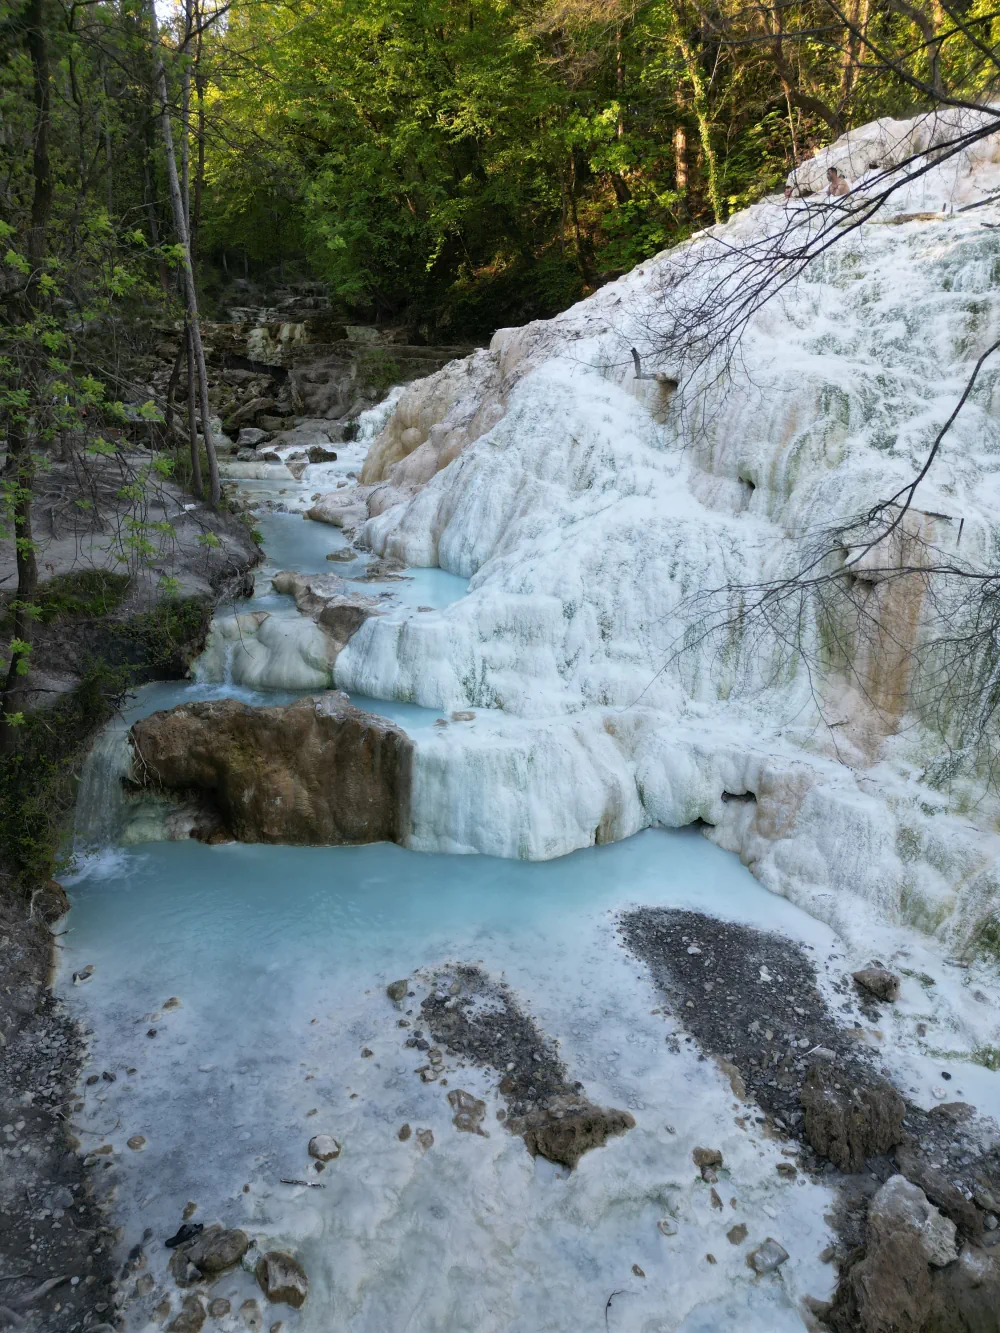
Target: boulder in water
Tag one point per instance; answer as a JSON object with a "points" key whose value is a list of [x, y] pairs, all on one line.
{"points": [[324, 1147], [330, 601], [469, 1112], [768, 1257], [877, 981], [912, 1275], [245, 414], [217, 1249], [250, 437], [316, 772], [190, 1319], [282, 1279]]}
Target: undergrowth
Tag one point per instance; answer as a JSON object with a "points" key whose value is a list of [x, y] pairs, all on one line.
{"points": [[85, 594]]}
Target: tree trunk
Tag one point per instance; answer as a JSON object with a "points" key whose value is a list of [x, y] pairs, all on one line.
{"points": [[41, 198], [20, 467], [703, 117], [186, 142], [199, 173], [20, 476], [190, 291], [192, 415], [154, 227], [680, 158]]}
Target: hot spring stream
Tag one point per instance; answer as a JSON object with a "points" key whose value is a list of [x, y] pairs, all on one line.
{"points": [[275, 961]]}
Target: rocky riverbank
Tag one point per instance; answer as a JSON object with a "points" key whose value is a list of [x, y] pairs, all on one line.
{"points": [[56, 1238], [918, 1191]]}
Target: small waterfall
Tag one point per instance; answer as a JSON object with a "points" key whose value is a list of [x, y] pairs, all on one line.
{"points": [[101, 800], [227, 670], [372, 421]]}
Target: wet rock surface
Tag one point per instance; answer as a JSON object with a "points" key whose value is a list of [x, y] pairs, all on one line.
{"points": [[337, 608], [479, 1020], [878, 981], [315, 772], [217, 1249], [324, 1147], [907, 1202], [911, 1275]]}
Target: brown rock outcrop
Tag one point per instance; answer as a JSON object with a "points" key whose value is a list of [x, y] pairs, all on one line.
{"points": [[315, 772], [912, 1277], [877, 981], [334, 605], [940, 1190], [849, 1115], [567, 1127], [217, 1249], [548, 1110], [282, 1279]]}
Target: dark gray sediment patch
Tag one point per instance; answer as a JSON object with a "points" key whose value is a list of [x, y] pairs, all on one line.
{"points": [[479, 1020]]}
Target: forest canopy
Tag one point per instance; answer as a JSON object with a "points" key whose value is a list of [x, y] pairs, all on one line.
{"points": [[469, 163], [455, 164]]}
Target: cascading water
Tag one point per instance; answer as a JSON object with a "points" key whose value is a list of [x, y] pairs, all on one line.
{"points": [[101, 799]]}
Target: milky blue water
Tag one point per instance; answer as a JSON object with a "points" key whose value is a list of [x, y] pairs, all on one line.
{"points": [[279, 958], [291, 542]]}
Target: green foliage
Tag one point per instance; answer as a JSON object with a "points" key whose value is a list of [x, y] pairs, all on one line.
{"points": [[467, 165], [37, 780], [86, 592], [986, 941], [378, 371]]}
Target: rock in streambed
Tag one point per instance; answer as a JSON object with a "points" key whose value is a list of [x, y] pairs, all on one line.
{"points": [[338, 609], [316, 772], [282, 1279]]}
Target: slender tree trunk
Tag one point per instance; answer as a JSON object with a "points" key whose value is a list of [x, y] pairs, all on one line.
{"points": [[680, 159], [849, 59], [791, 124], [154, 226], [703, 117], [41, 198], [582, 250], [618, 182], [108, 154], [192, 416], [190, 291], [20, 477], [199, 173], [170, 425], [186, 143], [20, 467]]}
